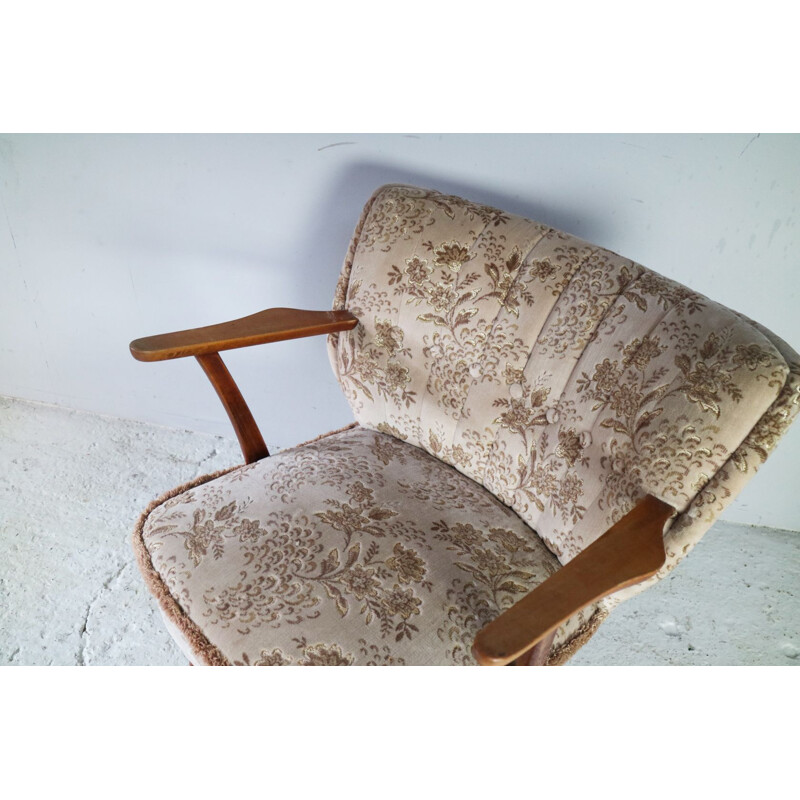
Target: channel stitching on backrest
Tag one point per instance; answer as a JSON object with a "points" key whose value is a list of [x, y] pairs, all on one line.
{"points": [[568, 380]]}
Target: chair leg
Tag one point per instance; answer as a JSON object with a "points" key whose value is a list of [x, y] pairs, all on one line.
{"points": [[538, 654]]}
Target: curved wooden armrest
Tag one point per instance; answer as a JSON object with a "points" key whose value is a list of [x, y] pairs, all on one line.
{"points": [[272, 325], [627, 553]]}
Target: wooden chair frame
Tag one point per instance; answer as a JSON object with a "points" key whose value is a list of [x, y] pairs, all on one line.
{"points": [[630, 551]]}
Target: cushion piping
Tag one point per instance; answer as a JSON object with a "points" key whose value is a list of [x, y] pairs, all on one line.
{"points": [[203, 649], [208, 653]]}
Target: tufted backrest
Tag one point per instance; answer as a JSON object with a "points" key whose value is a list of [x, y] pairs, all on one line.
{"points": [[568, 380]]}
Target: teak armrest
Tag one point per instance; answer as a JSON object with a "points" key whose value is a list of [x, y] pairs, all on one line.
{"points": [[272, 325], [627, 553]]}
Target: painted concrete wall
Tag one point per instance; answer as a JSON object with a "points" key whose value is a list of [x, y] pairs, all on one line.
{"points": [[107, 238]]}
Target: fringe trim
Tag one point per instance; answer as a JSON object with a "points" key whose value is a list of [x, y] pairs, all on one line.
{"points": [[206, 652], [564, 652], [323, 436], [209, 654]]}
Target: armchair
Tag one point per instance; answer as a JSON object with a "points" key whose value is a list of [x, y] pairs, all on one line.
{"points": [[543, 428]]}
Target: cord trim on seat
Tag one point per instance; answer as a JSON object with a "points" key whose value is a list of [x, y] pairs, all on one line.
{"points": [[205, 651]]}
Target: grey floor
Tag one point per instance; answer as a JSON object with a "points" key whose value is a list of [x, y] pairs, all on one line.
{"points": [[73, 484]]}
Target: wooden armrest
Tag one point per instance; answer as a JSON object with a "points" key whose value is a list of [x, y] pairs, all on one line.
{"points": [[627, 553], [272, 325]]}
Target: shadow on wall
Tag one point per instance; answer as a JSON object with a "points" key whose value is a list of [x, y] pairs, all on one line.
{"points": [[301, 273], [332, 222]]}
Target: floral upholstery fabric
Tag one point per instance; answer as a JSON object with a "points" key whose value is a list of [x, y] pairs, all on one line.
{"points": [[566, 379], [518, 391], [354, 549]]}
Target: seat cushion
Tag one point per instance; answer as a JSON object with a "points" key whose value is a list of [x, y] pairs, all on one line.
{"points": [[356, 548]]}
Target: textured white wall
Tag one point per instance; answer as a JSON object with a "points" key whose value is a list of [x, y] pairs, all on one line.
{"points": [[107, 238]]}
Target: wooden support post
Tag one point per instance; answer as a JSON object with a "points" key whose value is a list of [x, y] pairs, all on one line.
{"points": [[247, 432]]}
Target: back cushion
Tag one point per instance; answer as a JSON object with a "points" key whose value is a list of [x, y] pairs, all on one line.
{"points": [[568, 380]]}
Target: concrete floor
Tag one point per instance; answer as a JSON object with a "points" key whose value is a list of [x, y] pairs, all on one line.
{"points": [[73, 484]]}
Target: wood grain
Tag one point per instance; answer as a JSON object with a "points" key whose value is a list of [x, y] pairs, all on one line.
{"points": [[538, 654], [627, 553], [271, 325], [247, 432]]}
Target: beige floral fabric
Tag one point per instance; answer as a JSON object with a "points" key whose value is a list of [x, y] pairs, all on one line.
{"points": [[518, 391], [566, 379], [355, 549]]}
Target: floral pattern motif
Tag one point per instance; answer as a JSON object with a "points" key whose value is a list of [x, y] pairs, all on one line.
{"points": [[566, 379], [559, 379], [367, 558]]}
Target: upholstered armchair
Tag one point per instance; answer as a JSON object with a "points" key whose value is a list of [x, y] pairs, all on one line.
{"points": [[542, 429]]}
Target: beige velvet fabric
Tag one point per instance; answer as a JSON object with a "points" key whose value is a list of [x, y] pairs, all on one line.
{"points": [[566, 379], [518, 390], [354, 549]]}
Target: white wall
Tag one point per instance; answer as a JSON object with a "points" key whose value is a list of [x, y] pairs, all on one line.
{"points": [[107, 238]]}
